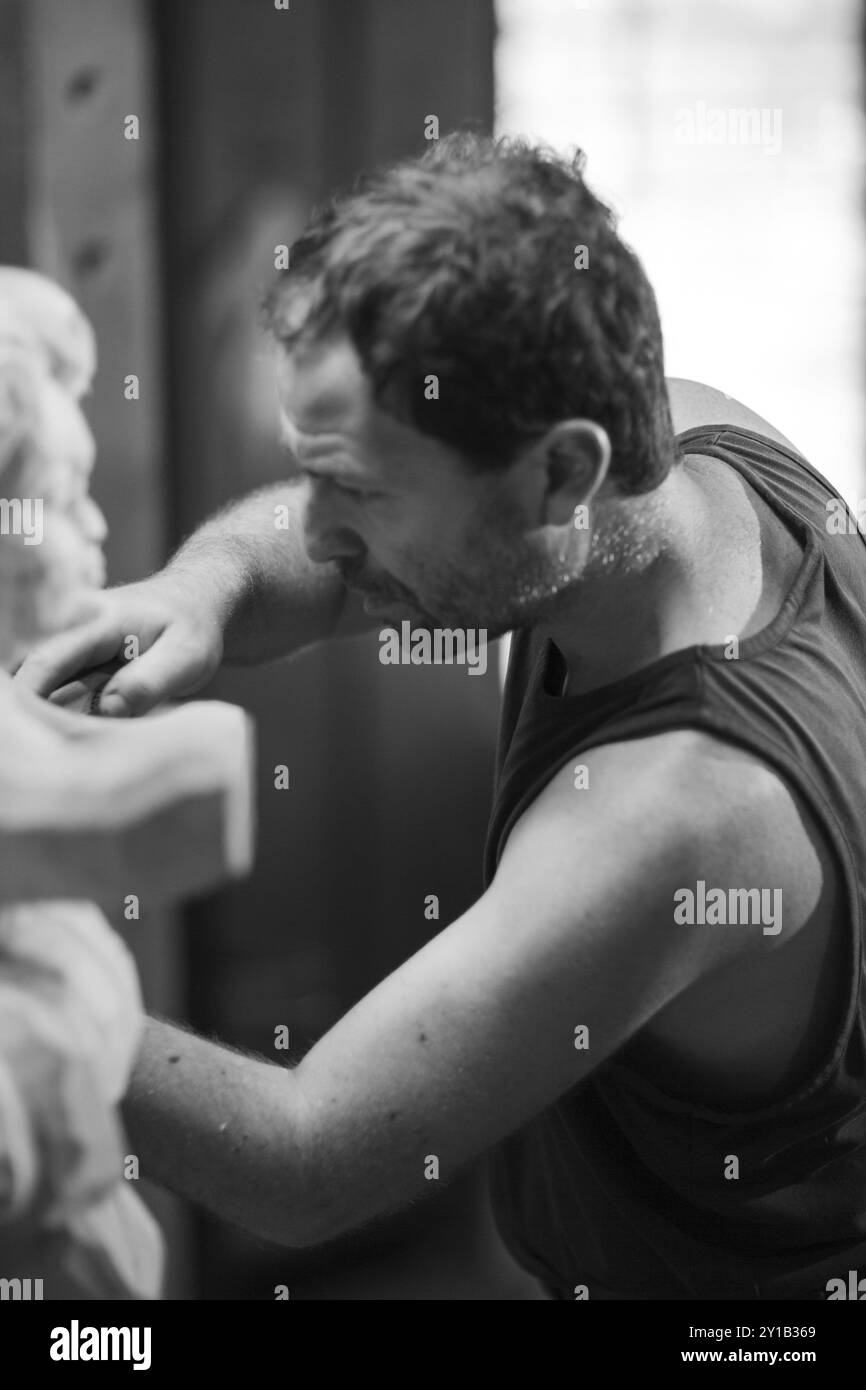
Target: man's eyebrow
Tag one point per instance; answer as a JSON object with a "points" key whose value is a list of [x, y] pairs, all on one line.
{"points": [[305, 448], [290, 435]]}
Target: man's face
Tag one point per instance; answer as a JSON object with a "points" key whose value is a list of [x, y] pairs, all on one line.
{"points": [[401, 515]]}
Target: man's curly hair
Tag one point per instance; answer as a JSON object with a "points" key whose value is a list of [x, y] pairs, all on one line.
{"points": [[461, 264]]}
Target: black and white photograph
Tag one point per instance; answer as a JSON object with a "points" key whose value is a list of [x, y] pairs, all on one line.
{"points": [[432, 668]]}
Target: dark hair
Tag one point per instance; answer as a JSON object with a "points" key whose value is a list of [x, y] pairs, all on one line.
{"points": [[461, 263]]}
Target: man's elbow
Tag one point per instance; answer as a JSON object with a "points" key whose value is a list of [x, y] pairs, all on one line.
{"points": [[333, 1192], [300, 1229], [306, 1215]]}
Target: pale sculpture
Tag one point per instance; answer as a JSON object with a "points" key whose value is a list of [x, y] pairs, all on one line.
{"points": [[90, 812]]}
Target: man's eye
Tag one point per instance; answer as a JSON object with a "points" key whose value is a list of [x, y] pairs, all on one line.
{"points": [[359, 494]]}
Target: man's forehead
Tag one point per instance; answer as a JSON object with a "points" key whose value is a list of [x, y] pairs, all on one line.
{"points": [[322, 389], [326, 404]]}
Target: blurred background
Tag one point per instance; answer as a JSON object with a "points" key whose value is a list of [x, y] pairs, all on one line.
{"points": [[730, 139]]}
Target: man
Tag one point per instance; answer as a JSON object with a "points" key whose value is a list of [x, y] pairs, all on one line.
{"points": [[653, 1017]]}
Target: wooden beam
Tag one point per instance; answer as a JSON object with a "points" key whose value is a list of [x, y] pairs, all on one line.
{"points": [[13, 145], [93, 222]]}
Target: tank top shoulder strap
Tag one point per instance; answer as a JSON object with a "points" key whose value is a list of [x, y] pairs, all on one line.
{"points": [[779, 473]]}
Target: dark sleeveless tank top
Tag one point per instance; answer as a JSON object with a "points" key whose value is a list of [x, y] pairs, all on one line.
{"points": [[616, 1187]]}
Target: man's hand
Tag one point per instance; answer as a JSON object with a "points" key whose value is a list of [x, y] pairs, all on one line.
{"points": [[177, 647]]}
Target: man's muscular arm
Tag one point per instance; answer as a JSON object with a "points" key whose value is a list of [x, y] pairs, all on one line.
{"points": [[475, 1034], [250, 560], [242, 589]]}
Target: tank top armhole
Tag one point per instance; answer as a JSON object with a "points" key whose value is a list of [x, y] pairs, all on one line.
{"points": [[836, 841]]}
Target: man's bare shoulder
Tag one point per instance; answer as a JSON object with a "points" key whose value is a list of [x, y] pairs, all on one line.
{"points": [[710, 812], [693, 403]]}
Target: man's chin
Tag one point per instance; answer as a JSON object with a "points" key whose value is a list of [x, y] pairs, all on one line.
{"points": [[392, 609]]}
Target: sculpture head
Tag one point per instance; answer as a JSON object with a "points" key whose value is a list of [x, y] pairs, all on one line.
{"points": [[88, 807], [51, 530]]}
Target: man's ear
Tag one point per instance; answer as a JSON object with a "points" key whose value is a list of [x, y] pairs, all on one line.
{"points": [[576, 457]]}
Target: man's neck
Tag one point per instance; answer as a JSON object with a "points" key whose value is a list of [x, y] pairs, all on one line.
{"points": [[694, 576]]}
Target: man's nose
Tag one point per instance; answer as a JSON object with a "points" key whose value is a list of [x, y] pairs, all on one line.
{"points": [[326, 536], [323, 546]]}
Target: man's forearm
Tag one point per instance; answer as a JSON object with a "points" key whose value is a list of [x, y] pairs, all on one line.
{"points": [[223, 1129], [249, 561]]}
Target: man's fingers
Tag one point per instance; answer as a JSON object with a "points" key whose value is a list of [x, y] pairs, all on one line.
{"points": [[56, 661], [172, 667]]}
